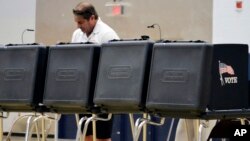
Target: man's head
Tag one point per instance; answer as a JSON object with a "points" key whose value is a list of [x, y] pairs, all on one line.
{"points": [[85, 17]]}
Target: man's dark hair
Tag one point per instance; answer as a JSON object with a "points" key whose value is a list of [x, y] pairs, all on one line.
{"points": [[86, 10]]}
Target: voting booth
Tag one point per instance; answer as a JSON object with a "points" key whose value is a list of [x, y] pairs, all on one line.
{"points": [[22, 73], [189, 79], [123, 74], [70, 78]]}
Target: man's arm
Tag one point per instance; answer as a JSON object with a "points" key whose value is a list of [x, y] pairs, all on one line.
{"points": [[76, 36], [109, 36]]}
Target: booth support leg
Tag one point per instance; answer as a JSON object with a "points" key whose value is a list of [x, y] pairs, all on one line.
{"points": [[57, 117], [94, 126], [28, 128], [170, 129], [43, 129], [199, 130], [145, 116], [78, 133], [79, 136], [132, 123], [1, 126]]}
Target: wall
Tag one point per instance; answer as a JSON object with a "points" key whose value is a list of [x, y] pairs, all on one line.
{"points": [[53, 20], [16, 16], [229, 24], [178, 19]]}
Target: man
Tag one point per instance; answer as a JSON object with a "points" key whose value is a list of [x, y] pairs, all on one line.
{"points": [[90, 26], [92, 29]]}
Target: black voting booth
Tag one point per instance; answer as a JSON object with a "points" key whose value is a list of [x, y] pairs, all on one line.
{"points": [[177, 86], [70, 78], [194, 80], [123, 74], [229, 94], [22, 71]]}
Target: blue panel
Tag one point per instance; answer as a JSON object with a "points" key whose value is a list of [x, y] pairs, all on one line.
{"points": [[117, 133], [121, 128], [67, 127]]}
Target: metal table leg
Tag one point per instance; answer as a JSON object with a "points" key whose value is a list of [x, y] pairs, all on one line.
{"points": [[1, 126], [170, 129], [10, 132], [94, 126], [93, 118], [57, 117], [187, 129], [138, 129], [132, 123], [86, 127], [79, 125], [45, 131], [27, 128], [140, 123], [200, 131], [144, 138], [30, 130], [202, 125]]}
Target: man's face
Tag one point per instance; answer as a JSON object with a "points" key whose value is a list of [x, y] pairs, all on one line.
{"points": [[85, 25]]}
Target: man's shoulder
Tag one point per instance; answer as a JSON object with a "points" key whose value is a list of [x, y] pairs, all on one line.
{"points": [[77, 36], [104, 32], [103, 27], [77, 31], [109, 32]]}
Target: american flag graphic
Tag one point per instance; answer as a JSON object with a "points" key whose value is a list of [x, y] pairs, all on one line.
{"points": [[224, 68]]}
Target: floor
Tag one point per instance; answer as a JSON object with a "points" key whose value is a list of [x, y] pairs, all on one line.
{"points": [[34, 139]]}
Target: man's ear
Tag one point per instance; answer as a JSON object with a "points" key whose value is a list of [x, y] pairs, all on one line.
{"points": [[92, 17]]}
